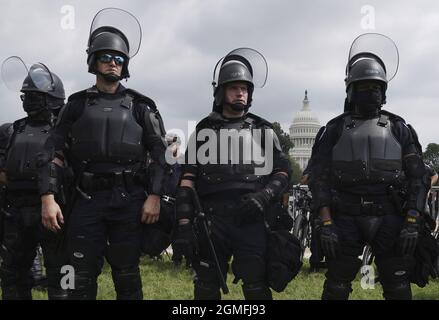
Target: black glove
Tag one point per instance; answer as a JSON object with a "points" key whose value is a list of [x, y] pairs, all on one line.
{"points": [[329, 239], [184, 243], [410, 232], [253, 205]]}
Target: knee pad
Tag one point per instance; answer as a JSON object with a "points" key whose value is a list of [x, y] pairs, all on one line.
{"points": [[250, 269], [395, 277], [206, 290], [256, 291], [341, 272]]}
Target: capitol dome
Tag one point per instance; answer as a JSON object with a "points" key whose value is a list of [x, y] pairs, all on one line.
{"points": [[303, 131]]}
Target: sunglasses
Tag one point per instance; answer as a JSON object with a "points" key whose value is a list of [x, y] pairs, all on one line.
{"points": [[107, 58]]}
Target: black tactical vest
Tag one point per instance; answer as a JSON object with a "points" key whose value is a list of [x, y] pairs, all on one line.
{"points": [[220, 176], [26, 142], [367, 153], [107, 131]]}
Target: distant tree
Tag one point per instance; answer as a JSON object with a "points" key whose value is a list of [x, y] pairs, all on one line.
{"points": [[297, 172], [431, 155], [284, 138]]}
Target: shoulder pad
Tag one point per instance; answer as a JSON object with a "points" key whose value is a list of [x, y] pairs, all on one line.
{"points": [[140, 97], [81, 94], [259, 121], [392, 117], [6, 129], [18, 123], [338, 118], [207, 121]]}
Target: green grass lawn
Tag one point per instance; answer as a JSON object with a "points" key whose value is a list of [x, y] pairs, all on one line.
{"points": [[164, 281]]}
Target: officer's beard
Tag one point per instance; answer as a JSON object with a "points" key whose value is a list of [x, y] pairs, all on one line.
{"points": [[367, 103]]}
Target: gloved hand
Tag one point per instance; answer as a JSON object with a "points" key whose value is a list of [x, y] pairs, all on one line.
{"points": [[253, 205], [410, 232], [329, 239], [184, 242]]}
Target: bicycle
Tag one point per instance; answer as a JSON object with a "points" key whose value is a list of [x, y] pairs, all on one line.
{"points": [[301, 214]]}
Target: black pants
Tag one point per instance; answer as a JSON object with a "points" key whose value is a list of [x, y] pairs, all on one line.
{"points": [[246, 243], [393, 268], [23, 232], [106, 227]]}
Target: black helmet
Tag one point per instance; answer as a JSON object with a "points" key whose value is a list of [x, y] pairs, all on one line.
{"points": [[372, 57], [40, 79], [108, 39], [239, 65], [114, 29], [55, 87], [232, 71], [367, 67]]}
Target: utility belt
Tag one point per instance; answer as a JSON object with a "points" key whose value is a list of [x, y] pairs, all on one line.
{"points": [[357, 205], [92, 182]]}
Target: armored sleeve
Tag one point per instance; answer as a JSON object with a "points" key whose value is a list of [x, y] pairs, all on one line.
{"points": [[155, 142], [413, 166]]}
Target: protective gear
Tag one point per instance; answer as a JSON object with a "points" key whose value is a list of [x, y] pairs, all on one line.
{"points": [[107, 131], [394, 277], [122, 35], [242, 64], [366, 67], [367, 102], [256, 291], [124, 261], [341, 273], [380, 163], [22, 162], [184, 241], [329, 239], [410, 232], [219, 177], [50, 174], [253, 206]]}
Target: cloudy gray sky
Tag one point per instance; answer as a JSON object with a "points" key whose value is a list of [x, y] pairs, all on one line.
{"points": [[306, 44]]}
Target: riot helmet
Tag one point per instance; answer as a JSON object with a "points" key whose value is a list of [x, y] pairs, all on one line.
{"points": [[113, 30], [242, 64], [373, 61]]}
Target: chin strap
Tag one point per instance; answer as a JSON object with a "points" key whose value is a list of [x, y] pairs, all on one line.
{"points": [[109, 77]]}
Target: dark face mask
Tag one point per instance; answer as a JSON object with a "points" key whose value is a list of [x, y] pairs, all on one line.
{"points": [[33, 102], [368, 101]]}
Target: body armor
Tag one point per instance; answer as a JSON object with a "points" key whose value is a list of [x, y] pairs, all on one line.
{"points": [[219, 176], [27, 141], [367, 153], [107, 131]]}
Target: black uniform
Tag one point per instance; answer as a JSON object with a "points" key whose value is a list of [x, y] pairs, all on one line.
{"points": [[105, 137], [360, 166], [23, 230], [234, 232]]}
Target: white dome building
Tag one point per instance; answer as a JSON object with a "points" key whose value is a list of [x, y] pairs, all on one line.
{"points": [[303, 131]]}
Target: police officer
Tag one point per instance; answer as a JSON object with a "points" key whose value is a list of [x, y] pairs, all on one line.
{"points": [[362, 160], [105, 133], [234, 195], [43, 96]]}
